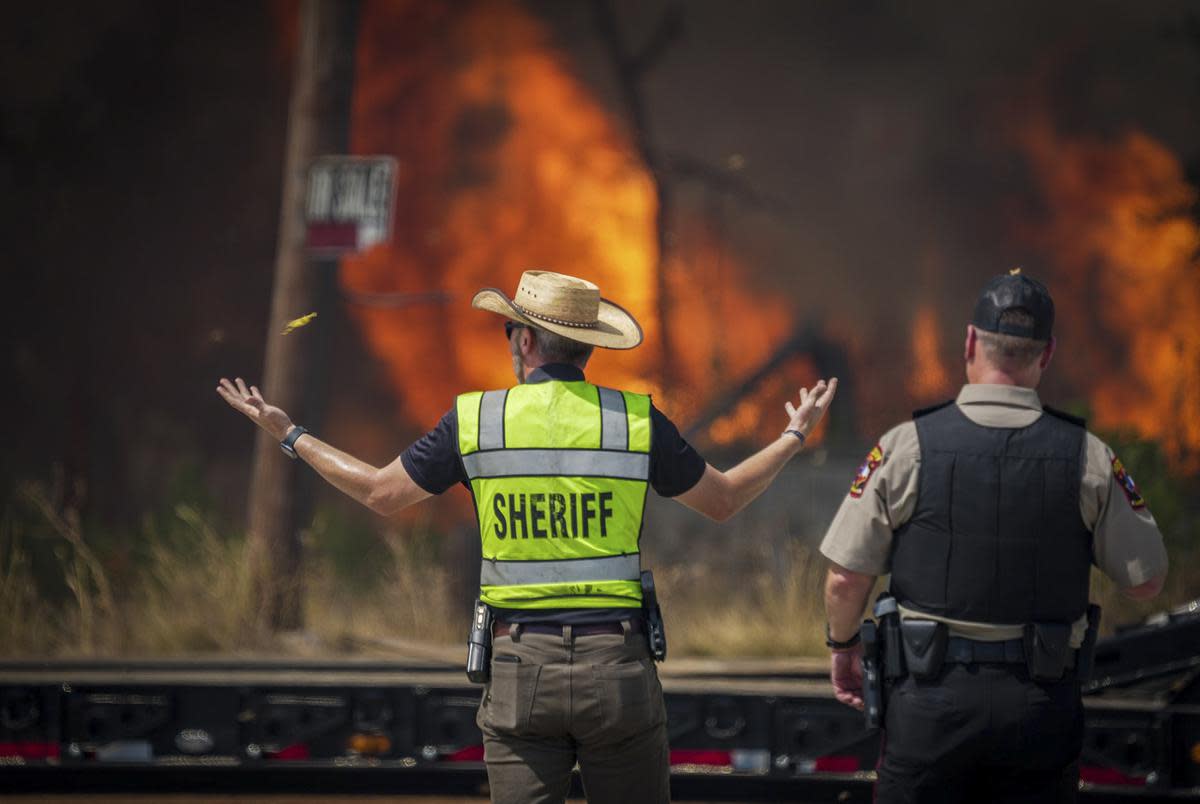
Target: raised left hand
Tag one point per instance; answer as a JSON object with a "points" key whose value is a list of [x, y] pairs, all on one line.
{"points": [[813, 405]]}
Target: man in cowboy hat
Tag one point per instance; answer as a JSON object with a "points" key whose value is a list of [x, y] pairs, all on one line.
{"points": [[558, 469], [988, 511]]}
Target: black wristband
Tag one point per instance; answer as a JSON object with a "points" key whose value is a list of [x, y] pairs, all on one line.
{"points": [[288, 444], [830, 642], [798, 435]]}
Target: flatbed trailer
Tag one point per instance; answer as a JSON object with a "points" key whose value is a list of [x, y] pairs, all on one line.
{"points": [[739, 730]]}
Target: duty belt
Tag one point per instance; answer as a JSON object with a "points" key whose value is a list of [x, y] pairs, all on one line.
{"points": [[960, 650]]}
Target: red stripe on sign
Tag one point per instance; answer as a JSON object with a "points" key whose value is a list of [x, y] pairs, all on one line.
{"points": [[1094, 775], [700, 757], [30, 750], [332, 235]]}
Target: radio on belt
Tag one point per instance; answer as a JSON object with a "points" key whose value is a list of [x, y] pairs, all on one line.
{"points": [[479, 644]]}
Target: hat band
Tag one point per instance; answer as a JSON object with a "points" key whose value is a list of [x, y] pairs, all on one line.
{"points": [[559, 321]]}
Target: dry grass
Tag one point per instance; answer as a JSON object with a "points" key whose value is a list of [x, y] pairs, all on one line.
{"points": [[194, 597], [23, 627], [710, 612], [195, 594], [412, 602]]}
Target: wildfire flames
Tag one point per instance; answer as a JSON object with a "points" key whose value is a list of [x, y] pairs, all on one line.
{"points": [[506, 164], [1127, 281], [929, 380]]}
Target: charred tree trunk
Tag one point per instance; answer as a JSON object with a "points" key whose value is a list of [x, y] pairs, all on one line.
{"points": [[318, 115], [631, 68]]}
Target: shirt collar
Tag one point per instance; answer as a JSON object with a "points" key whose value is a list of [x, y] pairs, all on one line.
{"points": [[1010, 395], [555, 371]]}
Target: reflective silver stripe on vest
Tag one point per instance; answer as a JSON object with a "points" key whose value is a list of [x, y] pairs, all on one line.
{"points": [[491, 420], [614, 426], [557, 463], [516, 573]]}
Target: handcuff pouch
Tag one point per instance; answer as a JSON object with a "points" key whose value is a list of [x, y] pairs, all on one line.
{"points": [[1047, 649], [924, 644]]}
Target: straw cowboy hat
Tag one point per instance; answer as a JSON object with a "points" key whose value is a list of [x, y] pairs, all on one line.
{"points": [[567, 306]]}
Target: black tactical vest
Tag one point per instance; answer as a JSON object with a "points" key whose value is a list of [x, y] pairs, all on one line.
{"points": [[996, 536]]}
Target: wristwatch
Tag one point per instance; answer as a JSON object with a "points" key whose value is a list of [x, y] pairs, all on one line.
{"points": [[288, 444], [830, 642]]}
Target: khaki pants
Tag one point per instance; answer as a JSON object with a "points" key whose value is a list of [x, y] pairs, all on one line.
{"points": [[593, 699]]}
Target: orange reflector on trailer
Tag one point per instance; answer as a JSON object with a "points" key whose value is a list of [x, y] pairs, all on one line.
{"points": [[370, 744]]}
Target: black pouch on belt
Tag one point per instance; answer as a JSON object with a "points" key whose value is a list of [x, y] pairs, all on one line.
{"points": [[924, 646], [1047, 648]]}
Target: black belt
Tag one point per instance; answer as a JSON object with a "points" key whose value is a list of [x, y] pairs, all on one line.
{"points": [[960, 650], [585, 629]]}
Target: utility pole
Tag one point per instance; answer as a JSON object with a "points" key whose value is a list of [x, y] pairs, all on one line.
{"points": [[318, 122]]}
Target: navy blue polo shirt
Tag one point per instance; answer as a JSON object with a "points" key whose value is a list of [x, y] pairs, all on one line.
{"points": [[434, 464]]}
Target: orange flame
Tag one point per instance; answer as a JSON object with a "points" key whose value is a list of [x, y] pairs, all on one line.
{"points": [[929, 379], [723, 327], [507, 163], [1124, 246]]}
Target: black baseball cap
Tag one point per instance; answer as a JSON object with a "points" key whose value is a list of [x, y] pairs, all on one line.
{"points": [[1015, 291]]}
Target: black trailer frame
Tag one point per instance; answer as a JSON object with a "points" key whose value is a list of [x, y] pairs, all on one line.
{"points": [[738, 732]]}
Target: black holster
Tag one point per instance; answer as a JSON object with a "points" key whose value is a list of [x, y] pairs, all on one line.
{"points": [[479, 645], [883, 660], [887, 612], [872, 675], [656, 633]]}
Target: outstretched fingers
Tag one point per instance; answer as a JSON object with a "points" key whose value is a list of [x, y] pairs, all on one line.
{"points": [[237, 397], [228, 391], [827, 392]]}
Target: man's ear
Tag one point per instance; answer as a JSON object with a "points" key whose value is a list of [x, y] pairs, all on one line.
{"points": [[1047, 353], [970, 344], [527, 340]]}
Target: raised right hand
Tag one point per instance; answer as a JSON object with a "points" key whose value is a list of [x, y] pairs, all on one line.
{"points": [[249, 402]]}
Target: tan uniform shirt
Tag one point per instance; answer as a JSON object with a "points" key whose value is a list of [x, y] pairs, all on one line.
{"points": [[1127, 545]]}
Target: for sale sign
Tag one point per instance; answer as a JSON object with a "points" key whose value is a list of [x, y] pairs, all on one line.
{"points": [[348, 206]]}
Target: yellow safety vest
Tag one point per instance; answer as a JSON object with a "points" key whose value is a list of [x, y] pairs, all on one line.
{"points": [[559, 471]]}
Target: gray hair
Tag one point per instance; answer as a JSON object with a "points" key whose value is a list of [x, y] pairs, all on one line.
{"points": [[1010, 351], [555, 348]]}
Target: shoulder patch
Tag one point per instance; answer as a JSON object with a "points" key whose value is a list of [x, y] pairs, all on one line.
{"points": [[1125, 480], [873, 459]]}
